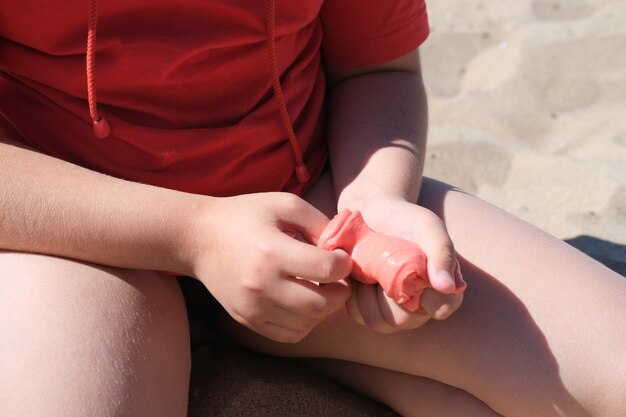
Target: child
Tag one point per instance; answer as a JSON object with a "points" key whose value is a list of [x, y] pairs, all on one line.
{"points": [[195, 142]]}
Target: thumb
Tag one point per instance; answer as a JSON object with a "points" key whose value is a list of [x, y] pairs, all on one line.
{"points": [[444, 271]]}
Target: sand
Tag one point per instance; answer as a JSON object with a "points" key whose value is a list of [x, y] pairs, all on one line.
{"points": [[527, 111]]}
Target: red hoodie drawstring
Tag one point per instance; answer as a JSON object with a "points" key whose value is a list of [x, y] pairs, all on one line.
{"points": [[302, 173], [101, 127]]}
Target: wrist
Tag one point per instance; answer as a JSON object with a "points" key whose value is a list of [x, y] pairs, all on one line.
{"points": [[378, 209], [365, 201], [366, 190], [182, 244]]}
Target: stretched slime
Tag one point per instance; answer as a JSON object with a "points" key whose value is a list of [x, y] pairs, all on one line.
{"points": [[397, 264]]}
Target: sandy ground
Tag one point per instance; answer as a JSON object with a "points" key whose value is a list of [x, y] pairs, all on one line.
{"points": [[528, 111]]}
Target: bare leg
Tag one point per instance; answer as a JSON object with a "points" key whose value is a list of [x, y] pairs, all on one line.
{"points": [[540, 331], [409, 395], [82, 340]]}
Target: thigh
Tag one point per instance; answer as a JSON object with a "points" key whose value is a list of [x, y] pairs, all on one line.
{"points": [[79, 339], [409, 395], [540, 331]]}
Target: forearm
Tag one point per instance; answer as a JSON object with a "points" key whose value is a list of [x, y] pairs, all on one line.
{"points": [[53, 207], [377, 136]]}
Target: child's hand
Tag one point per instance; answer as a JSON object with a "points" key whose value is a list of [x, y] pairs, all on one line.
{"points": [[368, 304], [244, 252]]}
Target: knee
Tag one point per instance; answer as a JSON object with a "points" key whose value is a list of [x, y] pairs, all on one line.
{"points": [[118, 338], [93, 301]]}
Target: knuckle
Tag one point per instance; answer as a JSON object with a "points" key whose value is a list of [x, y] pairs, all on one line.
{"points": [[263, 254], [252, 283], [329, 268], [433, 220], [437, 227], [291, 202], [326, 267], [317, 310]]}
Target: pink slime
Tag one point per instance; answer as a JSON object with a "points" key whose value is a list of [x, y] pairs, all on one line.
{"points": [[397, 264]]}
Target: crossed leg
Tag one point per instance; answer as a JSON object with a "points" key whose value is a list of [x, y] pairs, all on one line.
{"points": [[76, 339], [540, 331]]}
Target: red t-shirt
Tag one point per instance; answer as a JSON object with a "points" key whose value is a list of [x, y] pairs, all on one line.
{"points": [[187, 86]]}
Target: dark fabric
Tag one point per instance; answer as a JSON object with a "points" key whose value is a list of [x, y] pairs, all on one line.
{"points": [[201, 306]]}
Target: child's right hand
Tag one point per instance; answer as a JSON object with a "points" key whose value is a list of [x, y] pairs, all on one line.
{"points": [[242, 249]]}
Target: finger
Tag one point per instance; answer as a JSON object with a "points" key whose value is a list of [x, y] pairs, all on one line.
{"points": [[300, 217], [310, 262], [397, 316], [280, 333], [266, 329], [441, 257], [352, 305], [440, 306], [370, 310], [290, 320], [273, 321], [308, 299]]}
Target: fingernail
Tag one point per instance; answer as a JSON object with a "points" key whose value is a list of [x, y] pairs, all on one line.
{"points": [[459, 281], [459, 276], [445, 276]]}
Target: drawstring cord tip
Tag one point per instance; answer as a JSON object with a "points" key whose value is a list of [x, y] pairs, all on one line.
{"points": [[101, 128], [302, 173]]}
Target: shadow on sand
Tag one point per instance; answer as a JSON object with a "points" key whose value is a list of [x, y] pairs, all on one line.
{"points": [[611, 254]]}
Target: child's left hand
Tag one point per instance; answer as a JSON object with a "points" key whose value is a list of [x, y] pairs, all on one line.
{"points": [[368, 304]]}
